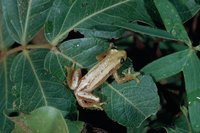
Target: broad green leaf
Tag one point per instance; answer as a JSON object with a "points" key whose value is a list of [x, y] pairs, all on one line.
{"points": [[35, 87], [6, 94], [131, 103], [82, 52], [172, 20], [167, 66], [5, 39], [42, 120], [24, 18], [191, 73], [68, 15], [186, 8], [107, 15], [187, 62]]}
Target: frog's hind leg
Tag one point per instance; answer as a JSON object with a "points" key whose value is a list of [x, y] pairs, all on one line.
{"points": [[87, 96], [88, 100]]}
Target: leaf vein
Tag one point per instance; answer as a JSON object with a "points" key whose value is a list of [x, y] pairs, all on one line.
{"points": [[112, 88]]}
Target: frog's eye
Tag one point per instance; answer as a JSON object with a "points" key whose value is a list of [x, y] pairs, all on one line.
{"points": [[122, 60]]}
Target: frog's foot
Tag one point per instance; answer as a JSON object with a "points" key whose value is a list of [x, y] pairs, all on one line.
{"points": [[127, 76], [99, 105], [88, 104], [132, 76]]}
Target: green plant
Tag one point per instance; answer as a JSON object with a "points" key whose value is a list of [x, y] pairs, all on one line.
{"points": [[32, 73]]}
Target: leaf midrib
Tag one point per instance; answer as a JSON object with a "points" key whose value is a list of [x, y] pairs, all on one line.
{"points": [[59, 36], [26, 23], [126, 99]]}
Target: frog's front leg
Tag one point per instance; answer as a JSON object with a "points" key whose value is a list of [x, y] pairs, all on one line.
{"points": [[126, 77], [73, 77]]}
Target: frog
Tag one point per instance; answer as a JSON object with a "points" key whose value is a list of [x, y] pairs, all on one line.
{"points": [[109, 62]]}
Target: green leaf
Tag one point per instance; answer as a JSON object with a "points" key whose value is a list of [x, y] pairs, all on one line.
{"points": [[191, 73], [108, 15], [6, 93], [186, 8], [187, 62], [24, 18], [5, 39], [82, 52], [167, 66], [130, 103], [35, 87], [86, 14], [44, 120], [172, 20]]}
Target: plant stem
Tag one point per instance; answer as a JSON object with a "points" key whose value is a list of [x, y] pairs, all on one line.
{"points": [[31, 46], [21, 48], [43, 46]]}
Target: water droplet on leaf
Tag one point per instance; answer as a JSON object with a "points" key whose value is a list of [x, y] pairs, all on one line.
{"points": [[197, 126], [173, 32], [198, 98]]}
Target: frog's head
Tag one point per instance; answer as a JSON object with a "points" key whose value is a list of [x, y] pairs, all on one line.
{"points": [[119, 55]]}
